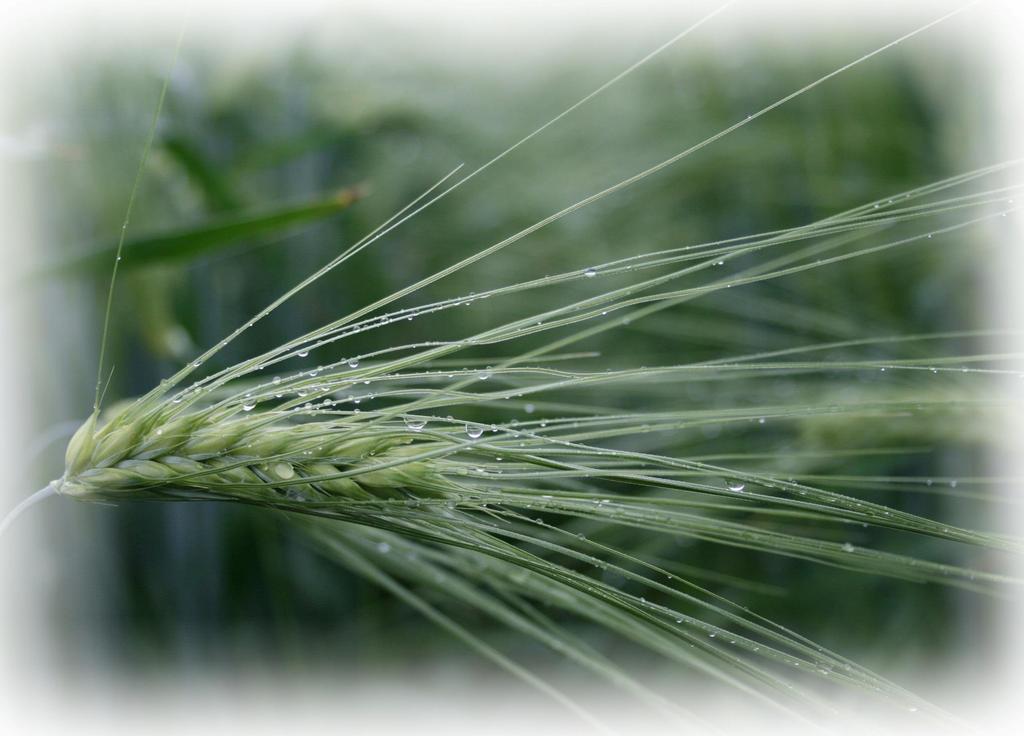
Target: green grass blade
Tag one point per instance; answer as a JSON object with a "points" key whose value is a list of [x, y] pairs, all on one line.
{"points": [[190, 242]]}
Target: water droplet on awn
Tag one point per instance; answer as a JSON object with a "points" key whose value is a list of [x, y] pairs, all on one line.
{"points": [[415, 423]]}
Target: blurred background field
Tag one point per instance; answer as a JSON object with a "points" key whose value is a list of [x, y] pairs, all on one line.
{"points": [[166, 589]]}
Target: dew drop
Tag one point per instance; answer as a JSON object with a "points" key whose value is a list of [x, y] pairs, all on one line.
{"points": [[302, 353], [415, 423], [590, 273], [735, 485], [474, 431], [284, 471], [847, 547], [248, 405], [353, 363]]}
